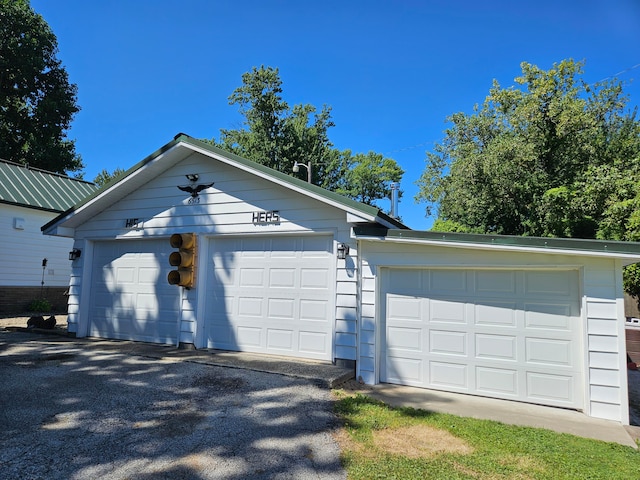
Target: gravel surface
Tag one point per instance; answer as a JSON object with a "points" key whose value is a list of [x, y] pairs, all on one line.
{"points": [[70, 413]]}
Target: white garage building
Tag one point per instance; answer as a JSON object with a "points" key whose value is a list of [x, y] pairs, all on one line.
{"points": [[526, 319]]}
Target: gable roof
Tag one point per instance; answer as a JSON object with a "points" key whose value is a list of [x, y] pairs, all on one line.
{"points": [[179, 148], [30, 187]]}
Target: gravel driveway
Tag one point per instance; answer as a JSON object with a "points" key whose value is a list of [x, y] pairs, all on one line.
{"points": [[72, 413]]}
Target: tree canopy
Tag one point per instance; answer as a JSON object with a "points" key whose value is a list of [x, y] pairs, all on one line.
{"points": [[554, 157], [104, 177], [277, 135], [37, 102]]}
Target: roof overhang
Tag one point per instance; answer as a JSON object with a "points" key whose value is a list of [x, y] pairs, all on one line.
{"points": [[628, 252]]}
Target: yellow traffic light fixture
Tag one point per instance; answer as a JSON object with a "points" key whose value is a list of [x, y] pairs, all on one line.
{"points": [[184, 258]]}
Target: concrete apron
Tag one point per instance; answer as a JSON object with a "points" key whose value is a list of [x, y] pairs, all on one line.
{"points": [[505, 411]]}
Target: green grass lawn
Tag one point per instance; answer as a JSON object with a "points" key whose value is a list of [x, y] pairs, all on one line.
{"points": [[381, 442]]}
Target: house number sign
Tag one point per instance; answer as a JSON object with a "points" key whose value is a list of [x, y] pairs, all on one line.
{"points": [[270, 216]]}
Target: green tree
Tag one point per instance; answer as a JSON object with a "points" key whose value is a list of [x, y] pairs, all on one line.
{"points": [[554, 156], [105, 177], [37, 102], [365, 177], [277, 135]]}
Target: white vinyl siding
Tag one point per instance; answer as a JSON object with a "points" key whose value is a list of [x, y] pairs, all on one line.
{"points": [[22, 264]]}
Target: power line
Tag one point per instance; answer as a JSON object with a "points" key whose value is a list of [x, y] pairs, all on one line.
{"points": [[423, 144], [620, 73]]}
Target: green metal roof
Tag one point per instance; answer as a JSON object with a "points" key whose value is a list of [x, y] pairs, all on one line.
{"points": [[542, 243], [29, 187], [248, 164]]}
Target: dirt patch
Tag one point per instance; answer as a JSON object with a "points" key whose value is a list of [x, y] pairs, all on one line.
{"points": [[419, 441]]}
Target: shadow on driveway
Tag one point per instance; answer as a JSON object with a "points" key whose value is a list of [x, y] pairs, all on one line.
{"points": [[75, 413]]}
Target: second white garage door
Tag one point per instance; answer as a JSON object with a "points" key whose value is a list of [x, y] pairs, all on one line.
{"points": [[512, 334], [271, 295]]}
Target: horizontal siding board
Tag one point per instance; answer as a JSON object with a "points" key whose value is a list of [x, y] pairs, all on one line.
{"points": [[345, 339], [345, 353], [347, 313], [344, 326], [27, 271], [347, 288], [606, 394], [602, 310], [599, 326], [609, 378], [601, 343], [607, 411]]}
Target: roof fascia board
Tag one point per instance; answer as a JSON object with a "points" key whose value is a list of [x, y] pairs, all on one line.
{"points": [[60, 232], [631, 257]]}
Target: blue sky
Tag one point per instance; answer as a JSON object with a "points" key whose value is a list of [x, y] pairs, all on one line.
{"points": [[392, 71]]}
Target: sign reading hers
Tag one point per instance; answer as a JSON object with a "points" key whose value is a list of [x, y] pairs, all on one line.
{"points": [[271, 216]]}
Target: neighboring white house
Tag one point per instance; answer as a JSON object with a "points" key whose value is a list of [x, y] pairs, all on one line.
{"points": [[29, 198], [286, 268]]}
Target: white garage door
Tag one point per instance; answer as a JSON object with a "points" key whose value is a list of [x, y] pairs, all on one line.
{"points": [[271, 295], [498, 333], [130, 296]]}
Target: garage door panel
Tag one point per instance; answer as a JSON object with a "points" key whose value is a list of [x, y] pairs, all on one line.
{"points": [[447, 342], [409, 281], [282, 277], [251, 277], [313, 342], [556, 283], [282, 294], [280, 339], [497, 381], [314, 310], [406, 308], [404, 338], [496, 347], [130, 298], [316, 247], [311, 278], [447, 311], [404, 370], [249, 336], [547, 351], [495, 281], [550, 388], [496, 313], [281, 308], [497, 333], [547, 315], [449, 374], [448, 281]]}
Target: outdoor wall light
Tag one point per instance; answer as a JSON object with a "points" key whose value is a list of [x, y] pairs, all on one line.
{"points": [[192, 177], [343, 251], [75, 253]]}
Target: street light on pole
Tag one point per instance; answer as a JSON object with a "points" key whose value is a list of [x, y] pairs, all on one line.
{"points": [[296, 169]]}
